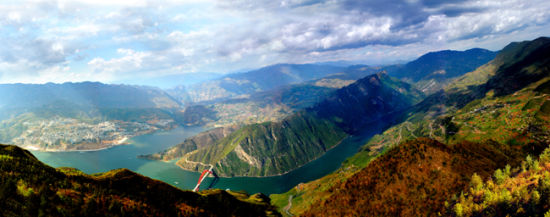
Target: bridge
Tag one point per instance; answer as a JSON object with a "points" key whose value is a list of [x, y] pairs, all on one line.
{"points": [[204, 174]]}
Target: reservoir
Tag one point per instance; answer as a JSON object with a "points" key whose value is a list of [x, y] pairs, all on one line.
{"points": [[125, 156]]}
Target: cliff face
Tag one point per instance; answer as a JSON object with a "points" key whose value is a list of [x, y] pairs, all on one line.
{"points": [[30, 188]]}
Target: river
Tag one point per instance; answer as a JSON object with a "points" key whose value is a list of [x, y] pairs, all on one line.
{"points": [[124, 156]]}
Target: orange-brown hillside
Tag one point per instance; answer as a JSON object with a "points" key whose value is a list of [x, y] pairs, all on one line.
{"points": [[414, 179]]}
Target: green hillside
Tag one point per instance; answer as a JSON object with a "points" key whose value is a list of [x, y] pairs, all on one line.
{"points": [[474, 111], [269, 148], [202, 140]]}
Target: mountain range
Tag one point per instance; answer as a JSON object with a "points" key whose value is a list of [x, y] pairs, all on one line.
{"points": [[240, 85], [462, 135], [375, 98]]}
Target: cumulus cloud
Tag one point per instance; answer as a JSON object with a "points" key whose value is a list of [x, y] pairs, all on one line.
{"points": [[58, 40]]}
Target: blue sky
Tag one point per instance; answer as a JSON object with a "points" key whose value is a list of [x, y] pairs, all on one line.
{"points": [[114, 40]]}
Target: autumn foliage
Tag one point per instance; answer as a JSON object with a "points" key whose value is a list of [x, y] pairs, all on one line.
{"points": [[414, 179]]}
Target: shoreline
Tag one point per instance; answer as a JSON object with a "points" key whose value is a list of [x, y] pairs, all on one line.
{"points": [[120, 142], [76, 150]]}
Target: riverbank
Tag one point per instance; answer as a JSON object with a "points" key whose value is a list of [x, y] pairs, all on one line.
{"points": [[101, 148], [78, 147]]}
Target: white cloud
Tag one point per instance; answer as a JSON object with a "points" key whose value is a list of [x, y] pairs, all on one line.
{"points": [[106, 40], [129, 62]]}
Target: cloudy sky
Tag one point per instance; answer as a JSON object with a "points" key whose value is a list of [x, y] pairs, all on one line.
{"points": [[113, 40]]}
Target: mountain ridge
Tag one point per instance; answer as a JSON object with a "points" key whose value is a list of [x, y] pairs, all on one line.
{"points": [[434, 70]]}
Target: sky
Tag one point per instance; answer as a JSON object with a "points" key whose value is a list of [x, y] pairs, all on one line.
{"points": [[115, 40]]}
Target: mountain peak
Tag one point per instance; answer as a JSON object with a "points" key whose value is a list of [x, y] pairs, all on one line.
{"points": [[452, 63]]}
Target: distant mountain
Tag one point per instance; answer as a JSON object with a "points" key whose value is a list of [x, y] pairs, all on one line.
{"points": [[270, 105], [180, 94], [434, 70], [85, 94], [277, 147], [241, 85], [30, 188], [171, 81], [250, 98], [341, 63]]}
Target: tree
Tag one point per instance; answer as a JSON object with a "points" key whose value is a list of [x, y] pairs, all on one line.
{"points": [[458, 210], [477, 182], [499, 176], [545, 156]]}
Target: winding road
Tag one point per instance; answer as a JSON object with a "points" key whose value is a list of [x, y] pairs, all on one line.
{"points": [[288, 206]]}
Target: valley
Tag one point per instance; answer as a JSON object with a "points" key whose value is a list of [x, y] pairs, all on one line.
{"points": [[370, 126], [167, 171], [275, 108]]}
